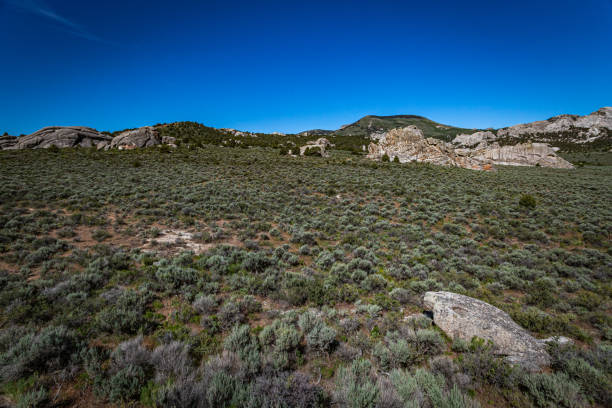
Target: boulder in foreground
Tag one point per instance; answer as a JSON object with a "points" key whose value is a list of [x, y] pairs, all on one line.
{"points": [[465, 317]]}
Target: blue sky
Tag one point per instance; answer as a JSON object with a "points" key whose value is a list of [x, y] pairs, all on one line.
{"points": [[290, 66]]}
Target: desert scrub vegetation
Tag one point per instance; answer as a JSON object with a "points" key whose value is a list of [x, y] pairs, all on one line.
{"points": [[293, 281]]}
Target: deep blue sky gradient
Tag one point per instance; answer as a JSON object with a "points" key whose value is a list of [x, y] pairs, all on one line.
{"points": [[291, 66]]}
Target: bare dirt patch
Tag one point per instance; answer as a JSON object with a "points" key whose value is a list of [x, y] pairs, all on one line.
{"points": [[176, 240]]}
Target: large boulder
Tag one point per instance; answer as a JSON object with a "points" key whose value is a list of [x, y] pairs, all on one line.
{"points": [[317, 147], [7, 141], [483, 146], [61, 136], [142, 137], [523, 154], [465, 317], [409, 144]]}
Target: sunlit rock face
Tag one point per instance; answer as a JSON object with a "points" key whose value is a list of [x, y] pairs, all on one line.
{"points": [[524, 154], [478, 151], [408, 144]]}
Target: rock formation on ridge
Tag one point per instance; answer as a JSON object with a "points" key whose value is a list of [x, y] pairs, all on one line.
{"points": [[61, 136], [580, 129]]}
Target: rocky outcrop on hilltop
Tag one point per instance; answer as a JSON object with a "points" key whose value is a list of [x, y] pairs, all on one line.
{"points": [[7, 141], [61, 136], [316, 147], [566, 129], [316, 132], [142, 137], [464, 317], [408, 144]]}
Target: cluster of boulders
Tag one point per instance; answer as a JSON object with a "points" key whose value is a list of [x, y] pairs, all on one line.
{"points": [[478, 151], [77, 136], [464, 318]]}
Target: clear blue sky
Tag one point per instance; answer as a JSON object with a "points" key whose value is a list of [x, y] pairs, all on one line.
{"points": [[295, 65]]}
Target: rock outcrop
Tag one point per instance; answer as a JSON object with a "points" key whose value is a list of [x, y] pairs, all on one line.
{"points": [[61, 136], [317, 147], [522, 154], [484, 146], [142, 137], [7, 141], [408, 144], [465, 317]]}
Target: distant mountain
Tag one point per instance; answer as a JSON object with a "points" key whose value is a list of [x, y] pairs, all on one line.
{"points": [[371, 126]]}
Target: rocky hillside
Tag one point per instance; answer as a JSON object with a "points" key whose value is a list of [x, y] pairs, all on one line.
{"points": [[568, 132]]}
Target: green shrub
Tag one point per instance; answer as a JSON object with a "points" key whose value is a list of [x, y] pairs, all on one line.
{"points": [[354, 386], [52, 348], [34, 398], [175, 276], [126, 384], [428, 342], [590, 369], [552, 390], [321, 337], [127, 315], [527, 201]]}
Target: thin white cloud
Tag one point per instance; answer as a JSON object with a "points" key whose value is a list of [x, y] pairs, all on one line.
{"points": [[39, 8]]}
